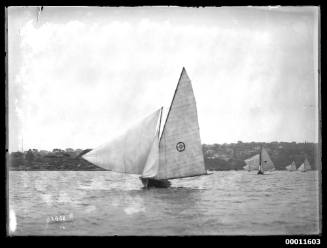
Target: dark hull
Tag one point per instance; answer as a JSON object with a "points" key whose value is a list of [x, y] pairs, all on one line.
{"points": [[260, 172], [154, 183]]}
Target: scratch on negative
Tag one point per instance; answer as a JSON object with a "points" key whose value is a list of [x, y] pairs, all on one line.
{"points": [[39, 10]]}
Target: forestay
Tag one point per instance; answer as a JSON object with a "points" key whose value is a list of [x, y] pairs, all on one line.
{"points": [[128, 152], [180, 150]]}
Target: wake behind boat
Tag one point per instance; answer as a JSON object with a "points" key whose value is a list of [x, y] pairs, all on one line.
{"points": [[177, 153]]}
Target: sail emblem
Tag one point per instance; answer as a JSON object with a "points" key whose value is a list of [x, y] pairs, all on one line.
{"points": [[180, 146]]}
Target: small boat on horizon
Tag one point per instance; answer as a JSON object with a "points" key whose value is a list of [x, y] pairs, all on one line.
{"points": [[260, 162], [291, 167], [305, 166]]}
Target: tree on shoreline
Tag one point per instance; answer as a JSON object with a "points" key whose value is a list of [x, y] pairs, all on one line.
{"points": [[216, 157]]}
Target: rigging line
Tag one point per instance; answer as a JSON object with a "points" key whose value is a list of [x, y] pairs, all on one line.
{"points": [[158, 170], [166, 170]]}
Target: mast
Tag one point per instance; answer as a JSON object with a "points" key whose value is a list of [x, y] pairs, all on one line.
{"points": [[260, 160], [160, 122]]}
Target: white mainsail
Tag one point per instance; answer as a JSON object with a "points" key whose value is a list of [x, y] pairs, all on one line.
{"points": [[178, 152], [291, 167], [305, 166], [128, 152], [253, 163], [266, 162], [180, 149]]}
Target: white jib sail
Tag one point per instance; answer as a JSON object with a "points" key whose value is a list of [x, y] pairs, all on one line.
{"points": [[291, 167], [180, 149], [252, 163], [152, 164], [128, 152]]}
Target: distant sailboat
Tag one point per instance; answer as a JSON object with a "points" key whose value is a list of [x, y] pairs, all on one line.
{"points": [[305, 166], [260, 162], [141, 150], [291, 167]]}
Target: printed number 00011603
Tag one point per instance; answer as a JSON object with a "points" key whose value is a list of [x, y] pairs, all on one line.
{"points": [[302, 241]]}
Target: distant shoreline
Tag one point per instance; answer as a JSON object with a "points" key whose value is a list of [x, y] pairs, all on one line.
{"points": [[217, 157]]}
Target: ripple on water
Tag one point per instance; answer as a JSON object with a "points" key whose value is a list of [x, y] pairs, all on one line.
{"points": [[105, 203]]}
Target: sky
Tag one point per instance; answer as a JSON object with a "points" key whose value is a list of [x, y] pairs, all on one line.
{"points": [[79, 75]]}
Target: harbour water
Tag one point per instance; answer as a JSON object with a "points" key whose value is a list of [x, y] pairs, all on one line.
{"points": [[108, 203]]}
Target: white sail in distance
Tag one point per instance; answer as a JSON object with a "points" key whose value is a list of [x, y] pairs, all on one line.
{"points": [[291, 167], [127, 153], [180, 149], [253, 162], [305, 166], [266, 162]]}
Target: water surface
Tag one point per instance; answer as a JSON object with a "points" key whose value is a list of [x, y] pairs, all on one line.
{"points": [[107, 203]]}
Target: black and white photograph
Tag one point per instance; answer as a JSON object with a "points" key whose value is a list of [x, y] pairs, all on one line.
{"points": [[163, 121]]}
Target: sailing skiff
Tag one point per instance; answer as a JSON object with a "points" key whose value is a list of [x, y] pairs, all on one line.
{"points": [[305, 166], [260, 162], [291, 167], [176, 153]]}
